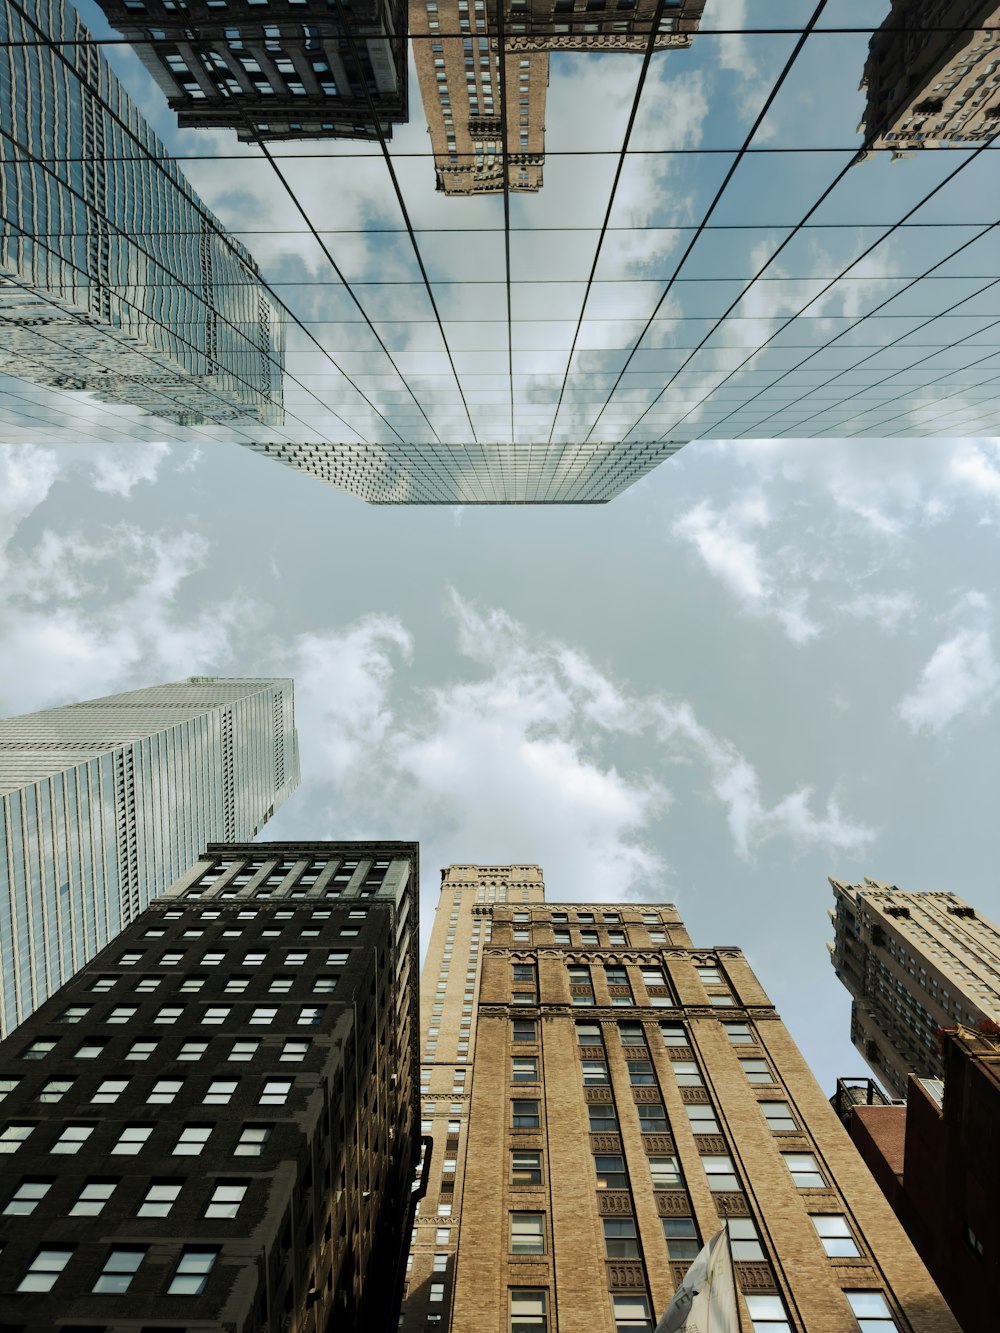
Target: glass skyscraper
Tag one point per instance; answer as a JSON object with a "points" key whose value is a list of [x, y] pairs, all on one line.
{"points": [[114, 276], [106, 803]]}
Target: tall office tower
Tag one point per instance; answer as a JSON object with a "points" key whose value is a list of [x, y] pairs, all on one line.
{"points": [[287, 69], [576, 25], [117, 279], [931, 76], [608, 1096], [213, 1124], [914, 963], [928, 1160], [106, 803]]}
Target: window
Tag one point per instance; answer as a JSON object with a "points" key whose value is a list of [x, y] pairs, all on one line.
{"points": [[523, 936], [525, 1115], [709, 976], [38, 1050], [131, 1139], [294, 1050], [237, 985], [337, 957], [219, 1014], [526, 1167], [226, 1198], [687, 1074], [528, 1311], [160, 1198], [805, 1170], [142, 1050], [103, 984], [220, 1091], [744, 1240], [616, 937], [192, 1050], [523, 972], [129, 959], [90, 1050], [119, 1269], [871, 1311], [739, 1034], [595, 1073], [524, 1029], [620, 1240], [165, 1090], [653, 976], [652, 1118], [610, 1168], [640, 1073], [124, 1013], [280, 985], [92, 1198], [192, 1272], [722, 1001], [75, 1013], [27, 1197], [527, 1233], [252, 1141], [835, 1235], [631, 1314], [170, 1013], [588, 1034], [560, 937], [45, 1269], [146, 985], [632, 1034], [586, 936], [72, 1139], [55, 1089], [681, 1237], [673, 1034], [275, 1092], [757, 1071], [720, 1172], [190, 984], [767, 1314], [778, 1116], [702, 1119], [524, 1069], [191, 1141], [325, 985], [243, 1050], [311, 1015], [602, 1118], [665, 1173]]}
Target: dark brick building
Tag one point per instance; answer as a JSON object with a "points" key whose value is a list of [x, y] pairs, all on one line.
{"points": [[212, 1125], [936, 1162]]}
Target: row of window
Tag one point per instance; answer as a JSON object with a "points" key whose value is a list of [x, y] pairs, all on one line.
{"points": [[189, 1278], [214, 958], [94, 1048], [133, 1138], [160, 1197], [173, 1013], [219, 1092]]}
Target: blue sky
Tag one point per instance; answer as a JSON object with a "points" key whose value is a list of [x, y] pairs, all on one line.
{"points": [[772, 660]]}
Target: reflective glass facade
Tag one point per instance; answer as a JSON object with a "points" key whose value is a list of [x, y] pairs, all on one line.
{"points": [[105, 803], [116, 279]]}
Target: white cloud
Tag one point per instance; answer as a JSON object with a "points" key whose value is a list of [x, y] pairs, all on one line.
{"points": [[888, 609], [962, 676], [723, 538], [118, 468]]}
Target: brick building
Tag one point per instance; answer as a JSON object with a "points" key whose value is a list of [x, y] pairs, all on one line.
{"points": [[914, 963], [932, 1160], [212, 1125], [601, 1096]]}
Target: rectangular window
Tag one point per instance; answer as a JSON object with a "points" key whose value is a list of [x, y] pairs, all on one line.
{"points": [[640, 1073], [160, 1198], [146, 985], [56, 1089], [131, 1140], [620, 1240], [524, 1029], [237, 985], [90, 1050], [665, 1173], [588, 1034], [652, 1118], [311, 1015], [45, 1268], [294, 1050], [324, 985], [527, 1233], [805, 1170], [526, 1167], [631, 1314], [767, 1314], [192, 1273], [720, 1172], [192, 1050], [673, 1034], [757, 1071], [524, 1069], [217, 1014], [92, 1198], [169, 1013], [243, 1050], [75, 1013], [220, 1092], [601, 1116], [778, 1116], [38, 1050], [72, 1139], [226, 1198], [26, 1197], [739, 1034], [252, 1141], [835, 1235], [191, 1141], [610, 1168], [722, 1001], [525, 1114], [702, 1119], [709, 976], [681, 1237], [744, 1240], [632, 1034], [871, 1311], [529, 1311], [595, 1073], [523, 972], [124, 1013]]}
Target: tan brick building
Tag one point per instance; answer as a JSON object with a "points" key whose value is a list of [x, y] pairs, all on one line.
{"points": [[601, 1096]]}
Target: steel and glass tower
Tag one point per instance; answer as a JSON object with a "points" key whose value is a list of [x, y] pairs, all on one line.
{"points": [[106, 803]]}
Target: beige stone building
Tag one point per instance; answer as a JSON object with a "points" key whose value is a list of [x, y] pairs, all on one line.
{"points": [[602, 1096], [914, 963], [932, 76]]}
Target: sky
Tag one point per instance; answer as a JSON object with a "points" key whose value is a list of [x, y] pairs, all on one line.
{"points": [[772, 660]]}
